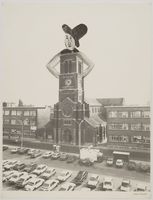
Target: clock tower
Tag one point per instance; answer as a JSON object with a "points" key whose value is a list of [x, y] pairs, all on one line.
{"points": [[70, 111]]}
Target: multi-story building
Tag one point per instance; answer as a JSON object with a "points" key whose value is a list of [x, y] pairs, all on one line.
{"points": [[26, 119], [128, 126]]}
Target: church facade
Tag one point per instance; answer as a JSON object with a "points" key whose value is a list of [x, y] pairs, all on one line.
{"points": [[72, 123]]}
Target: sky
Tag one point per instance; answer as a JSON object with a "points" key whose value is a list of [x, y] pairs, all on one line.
{"points": [[118, 42]]}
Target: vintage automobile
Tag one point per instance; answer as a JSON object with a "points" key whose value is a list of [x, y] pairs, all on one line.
{"points": [[24, 180], [80, 177], [64, 175], [31, 167], [40, 169], [48, 173], [47, 154], [55, 155], [67, 187], [10, 164], [119, 163], [125, 185], [93, 181], [109, 161], [63, 156], [108, 184], [34, 184], [16, 176], [49, 185]]}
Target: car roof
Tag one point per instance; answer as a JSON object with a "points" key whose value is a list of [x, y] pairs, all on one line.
{"points": [[94, 175], [140, 185], [126, 180], [119, 160], [108, 179], [41, 165], [51, 181]]}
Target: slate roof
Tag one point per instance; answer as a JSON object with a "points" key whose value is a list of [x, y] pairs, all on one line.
{"points": [[111, 101], [95, 121]]}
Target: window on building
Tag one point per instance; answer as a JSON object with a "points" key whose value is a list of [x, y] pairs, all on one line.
{"points": [[112, 114], [26, 122], [79, 67], [13, 131], [26, 113], [67, 122], [135, 127], [146, 127], [18, 122], [32, 113], [6, 131], [32, 123], [6, 121], [13, 112], [6, 112], [93, 110], [122, 139], [13, 121], [19, 112], [118, 126], [123, 114], [146, 114], [136, 114], [140, 139]]}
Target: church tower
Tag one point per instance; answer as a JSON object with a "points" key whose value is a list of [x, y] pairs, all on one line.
{"points": [[70, 111]]}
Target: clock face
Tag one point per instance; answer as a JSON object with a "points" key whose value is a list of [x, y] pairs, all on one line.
{"points": [[67, 110], [68, 82]]}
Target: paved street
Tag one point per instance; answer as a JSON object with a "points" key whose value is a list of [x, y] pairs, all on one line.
{"points": [[99, 168]]}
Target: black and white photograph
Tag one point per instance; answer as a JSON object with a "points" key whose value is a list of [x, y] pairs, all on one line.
{"points": [[76, 99]]}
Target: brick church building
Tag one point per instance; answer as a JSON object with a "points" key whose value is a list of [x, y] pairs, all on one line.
{"points": [[73, 122]]}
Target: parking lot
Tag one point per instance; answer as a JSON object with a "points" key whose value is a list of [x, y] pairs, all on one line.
{"points": [[100, 169]]}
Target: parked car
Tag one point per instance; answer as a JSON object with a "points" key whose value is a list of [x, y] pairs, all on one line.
{"points": [[85, 162], [23, 150], [24, 180], [7, 175], [31, 167], [6, 162], [63, 156], [131, 165], [36, 154], [15, 149], [81, 176], [64, 175], [5, 147], [141, 188], [71, 159], [31, 151], [48, 173], [119, 163], [67, 187], [125, 185], [143, 167], [47, 154], [49, 185], [40, 169], [15, 177], [109, 161], [19, 166], [93, 181], [85, 189], [55, 155], [108, 184], [34, 184], [10, 164]]}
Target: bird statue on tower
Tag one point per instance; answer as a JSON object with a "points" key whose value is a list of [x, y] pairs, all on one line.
{"points": [[72, 37]]}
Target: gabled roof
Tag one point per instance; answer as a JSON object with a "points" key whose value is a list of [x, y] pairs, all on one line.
{"points": [[92, 102], [95, 121], [111, 101]]}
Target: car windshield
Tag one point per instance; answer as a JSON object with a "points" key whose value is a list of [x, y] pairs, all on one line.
{"points": [[140, 189], [46, 185], [39, 168], [62, 189], [124, 184], [30, 183], [93, 178], [63, 173], [48, 171], [108, 183], [14, 176], [21, 179]]}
